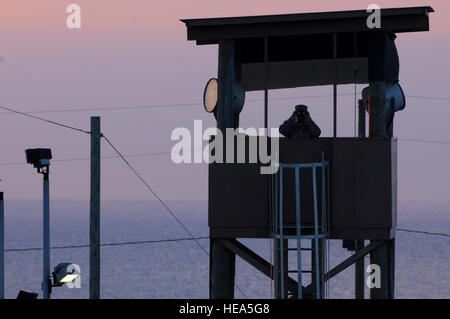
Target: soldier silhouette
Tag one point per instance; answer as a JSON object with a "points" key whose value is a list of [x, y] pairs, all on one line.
{"points": [[300, 124]]}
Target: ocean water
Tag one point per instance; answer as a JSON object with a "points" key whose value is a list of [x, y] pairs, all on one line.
{"points": [[180, 269]]}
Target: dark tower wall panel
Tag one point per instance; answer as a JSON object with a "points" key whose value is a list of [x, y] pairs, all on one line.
{"points": [[291, 74], [362, 186], [362, 192], [245, 200]]}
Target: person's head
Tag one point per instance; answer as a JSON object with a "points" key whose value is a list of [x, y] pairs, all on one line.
{"points": [[301, 112]]}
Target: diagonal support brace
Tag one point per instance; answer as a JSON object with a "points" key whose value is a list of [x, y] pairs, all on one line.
{"points": [[350, 261], [255, 260]]}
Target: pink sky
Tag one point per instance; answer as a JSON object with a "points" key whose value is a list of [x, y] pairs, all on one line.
{"points": [[135, 53], [162, 16]]}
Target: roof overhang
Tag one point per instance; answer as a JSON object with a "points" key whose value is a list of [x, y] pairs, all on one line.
{"points": [[212, 30]]}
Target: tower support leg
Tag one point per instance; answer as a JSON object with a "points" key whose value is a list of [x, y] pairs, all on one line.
{"points": [[384, 256], [359, 272], [321, 252], [278, 269], [222, 260], [221, 271]]}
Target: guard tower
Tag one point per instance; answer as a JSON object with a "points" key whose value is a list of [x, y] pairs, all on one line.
{"points": [[326, 188]]}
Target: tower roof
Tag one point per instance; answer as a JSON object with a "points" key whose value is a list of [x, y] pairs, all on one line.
{"points": [[211, 30]]}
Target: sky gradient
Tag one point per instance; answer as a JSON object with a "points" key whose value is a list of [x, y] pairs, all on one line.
{"points": [[135, 53]]}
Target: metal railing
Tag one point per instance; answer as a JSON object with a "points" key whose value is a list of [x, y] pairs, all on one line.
{"points": [[280, 230]]}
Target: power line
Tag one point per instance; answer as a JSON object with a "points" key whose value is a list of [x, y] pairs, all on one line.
{"points": [[153, 106], [112, 108], [109, 244], [423, 232], [103, 157], [45, 120], [161, 201], [429, 98], [167, 153], [137, 107], [182, 239], [87, 159], [152, 191], [424, 141]]}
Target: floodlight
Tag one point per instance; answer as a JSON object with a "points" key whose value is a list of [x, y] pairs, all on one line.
{"points": [[211, 95], [39, 157], [64, 273], [395, 94]]}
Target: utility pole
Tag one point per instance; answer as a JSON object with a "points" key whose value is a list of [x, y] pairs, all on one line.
{"points": [[46, 285], [40, 158], [2, 247], [94, 236]]}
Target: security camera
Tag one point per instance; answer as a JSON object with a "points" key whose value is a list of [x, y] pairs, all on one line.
{"points": [[39, 157]]}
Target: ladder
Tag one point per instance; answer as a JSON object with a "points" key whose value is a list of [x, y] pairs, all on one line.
{"points": [[283, 232]]}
